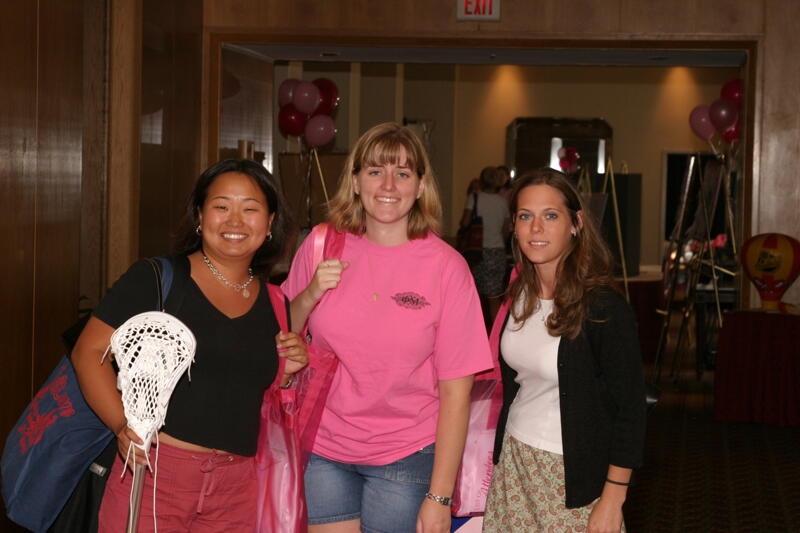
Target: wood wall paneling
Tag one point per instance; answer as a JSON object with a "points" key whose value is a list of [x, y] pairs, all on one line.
{"points": [[94, 154], [60, 124], [41, 146], [124, 105], [18, 55], [170, 116]]}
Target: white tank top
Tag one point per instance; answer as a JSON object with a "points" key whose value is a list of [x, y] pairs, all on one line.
{"points": [[535, 415]]}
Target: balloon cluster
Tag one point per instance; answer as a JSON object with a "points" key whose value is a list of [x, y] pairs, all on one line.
{"points": [[568, 159], [305, 109], [721, 120]]}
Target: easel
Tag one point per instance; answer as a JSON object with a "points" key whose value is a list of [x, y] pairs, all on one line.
{"points": [[688, 263], [584, 185]]}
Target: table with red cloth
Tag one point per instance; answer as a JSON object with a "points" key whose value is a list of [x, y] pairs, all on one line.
{"points": [[757, 376]]}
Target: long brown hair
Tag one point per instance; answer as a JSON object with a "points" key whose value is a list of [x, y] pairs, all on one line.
{"points": [[380, 145], [585, 267]]}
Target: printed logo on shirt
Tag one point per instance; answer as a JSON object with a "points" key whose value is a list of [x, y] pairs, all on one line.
{"points": [[410, 300]]}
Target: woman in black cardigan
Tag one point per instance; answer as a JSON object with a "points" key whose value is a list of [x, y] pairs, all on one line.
{"points": [[573, 420]]}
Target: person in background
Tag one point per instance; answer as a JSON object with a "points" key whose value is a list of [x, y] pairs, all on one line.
{"points": [[235, 228], [490, 271], [400, 310], [506, 185], [572, 425]]}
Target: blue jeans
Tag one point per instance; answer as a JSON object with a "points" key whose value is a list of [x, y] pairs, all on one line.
{"points": [[386, 498]]}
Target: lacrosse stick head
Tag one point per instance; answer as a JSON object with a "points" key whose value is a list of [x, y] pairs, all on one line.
{"points": [[152, 351]]}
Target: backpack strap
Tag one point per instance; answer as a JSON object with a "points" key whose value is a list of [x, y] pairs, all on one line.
{"points": [[175, 273], [328, 242]]}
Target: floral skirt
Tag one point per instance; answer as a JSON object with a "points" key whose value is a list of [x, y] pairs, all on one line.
{"points": [[527, 493]]}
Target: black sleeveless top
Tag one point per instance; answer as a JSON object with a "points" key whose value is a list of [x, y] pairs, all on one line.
{"points": [[235, 361]]}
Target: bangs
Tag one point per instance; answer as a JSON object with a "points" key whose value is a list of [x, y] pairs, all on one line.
{"points": [[387, 150]]}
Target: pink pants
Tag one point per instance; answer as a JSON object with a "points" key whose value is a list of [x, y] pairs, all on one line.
{"points": [[195, 492]]}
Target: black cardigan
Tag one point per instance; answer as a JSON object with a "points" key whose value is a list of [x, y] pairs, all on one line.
{"points": [[602, 398]]}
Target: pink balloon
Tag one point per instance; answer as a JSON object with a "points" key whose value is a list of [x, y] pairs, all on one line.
{"points": [[305, 97], [286, 90], [320, 130], [701, 123], [733, 90], [723, 114]]}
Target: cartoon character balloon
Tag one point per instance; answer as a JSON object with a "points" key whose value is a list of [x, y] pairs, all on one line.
{"points": [[772, 262]]}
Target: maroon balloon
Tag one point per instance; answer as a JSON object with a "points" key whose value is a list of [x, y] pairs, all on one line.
{"points": [[733, 90], [320, 130], [733, 133], [291, 121], [328, 96], [286, 90], [305, 97], [701, 123], [723, 114]]}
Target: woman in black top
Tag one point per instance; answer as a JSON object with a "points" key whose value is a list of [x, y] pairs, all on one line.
{"points": [[573, 420], [235, 228]]}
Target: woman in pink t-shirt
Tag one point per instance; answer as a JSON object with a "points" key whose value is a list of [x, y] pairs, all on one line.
{"points": [[400, 310]]}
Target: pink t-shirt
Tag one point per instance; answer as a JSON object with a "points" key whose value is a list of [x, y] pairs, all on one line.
{"points": [[425, 326]]}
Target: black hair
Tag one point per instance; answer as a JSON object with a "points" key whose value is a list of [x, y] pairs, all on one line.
{"points": [[272, 250]]}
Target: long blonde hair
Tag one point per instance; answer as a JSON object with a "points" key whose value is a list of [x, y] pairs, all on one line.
{"points": [[382, 145], [585, 267]]}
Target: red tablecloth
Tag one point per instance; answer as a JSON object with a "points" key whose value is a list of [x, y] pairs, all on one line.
{"points": [[757, 376]]}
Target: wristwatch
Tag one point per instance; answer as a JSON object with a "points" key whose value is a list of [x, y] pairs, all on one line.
{"points": [[439, 499]]}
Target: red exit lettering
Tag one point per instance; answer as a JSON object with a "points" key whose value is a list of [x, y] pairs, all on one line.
{"points": [[478, 7]]}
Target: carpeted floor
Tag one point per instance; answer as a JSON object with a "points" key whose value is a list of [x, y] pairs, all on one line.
{"points": [[707, 476]]}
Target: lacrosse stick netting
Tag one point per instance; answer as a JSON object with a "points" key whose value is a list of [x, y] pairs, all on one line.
{"points": [[152, 351]]}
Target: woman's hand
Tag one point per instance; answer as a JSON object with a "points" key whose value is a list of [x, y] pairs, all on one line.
{"points": [[606, 517], [327, 277], [291, 346], [125, 437], [433, 517]]}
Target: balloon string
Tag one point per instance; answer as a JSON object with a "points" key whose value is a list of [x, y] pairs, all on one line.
{"points": [[321, 177]]}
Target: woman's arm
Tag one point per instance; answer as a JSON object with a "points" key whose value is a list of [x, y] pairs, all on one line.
{"points": [[606, 517], [465, 216], [98, 383], [451, 432]]}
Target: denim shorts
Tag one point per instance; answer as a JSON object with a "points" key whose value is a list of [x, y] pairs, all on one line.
{"points": [[386, 498]]}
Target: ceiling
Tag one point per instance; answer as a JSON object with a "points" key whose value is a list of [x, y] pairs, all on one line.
{"points": [[501, 56]]}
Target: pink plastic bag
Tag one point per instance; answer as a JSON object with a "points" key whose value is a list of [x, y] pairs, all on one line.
{"points": [[280, 467], [475, 474]]}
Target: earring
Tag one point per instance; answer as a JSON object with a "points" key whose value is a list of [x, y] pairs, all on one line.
{"points": [[574, 233], [198, 230], [269, 236]]}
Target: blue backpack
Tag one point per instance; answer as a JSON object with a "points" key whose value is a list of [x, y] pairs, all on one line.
{"points": [[57, 438]]}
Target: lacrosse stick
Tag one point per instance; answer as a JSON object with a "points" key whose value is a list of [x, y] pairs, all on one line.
{"points": [[152, 351]]}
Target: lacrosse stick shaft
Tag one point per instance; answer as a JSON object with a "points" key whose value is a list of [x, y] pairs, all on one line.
{"points": [[136, 497]]}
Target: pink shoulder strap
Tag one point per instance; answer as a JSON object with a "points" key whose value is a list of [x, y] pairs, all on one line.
{"points": [[278, 301], [328, 243]]}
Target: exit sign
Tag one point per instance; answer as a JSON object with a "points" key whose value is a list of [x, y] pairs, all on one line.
{"points": [[478, 10]]}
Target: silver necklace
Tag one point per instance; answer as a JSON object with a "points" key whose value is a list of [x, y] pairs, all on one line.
{"points": [[238, 287], [375, 295]]}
